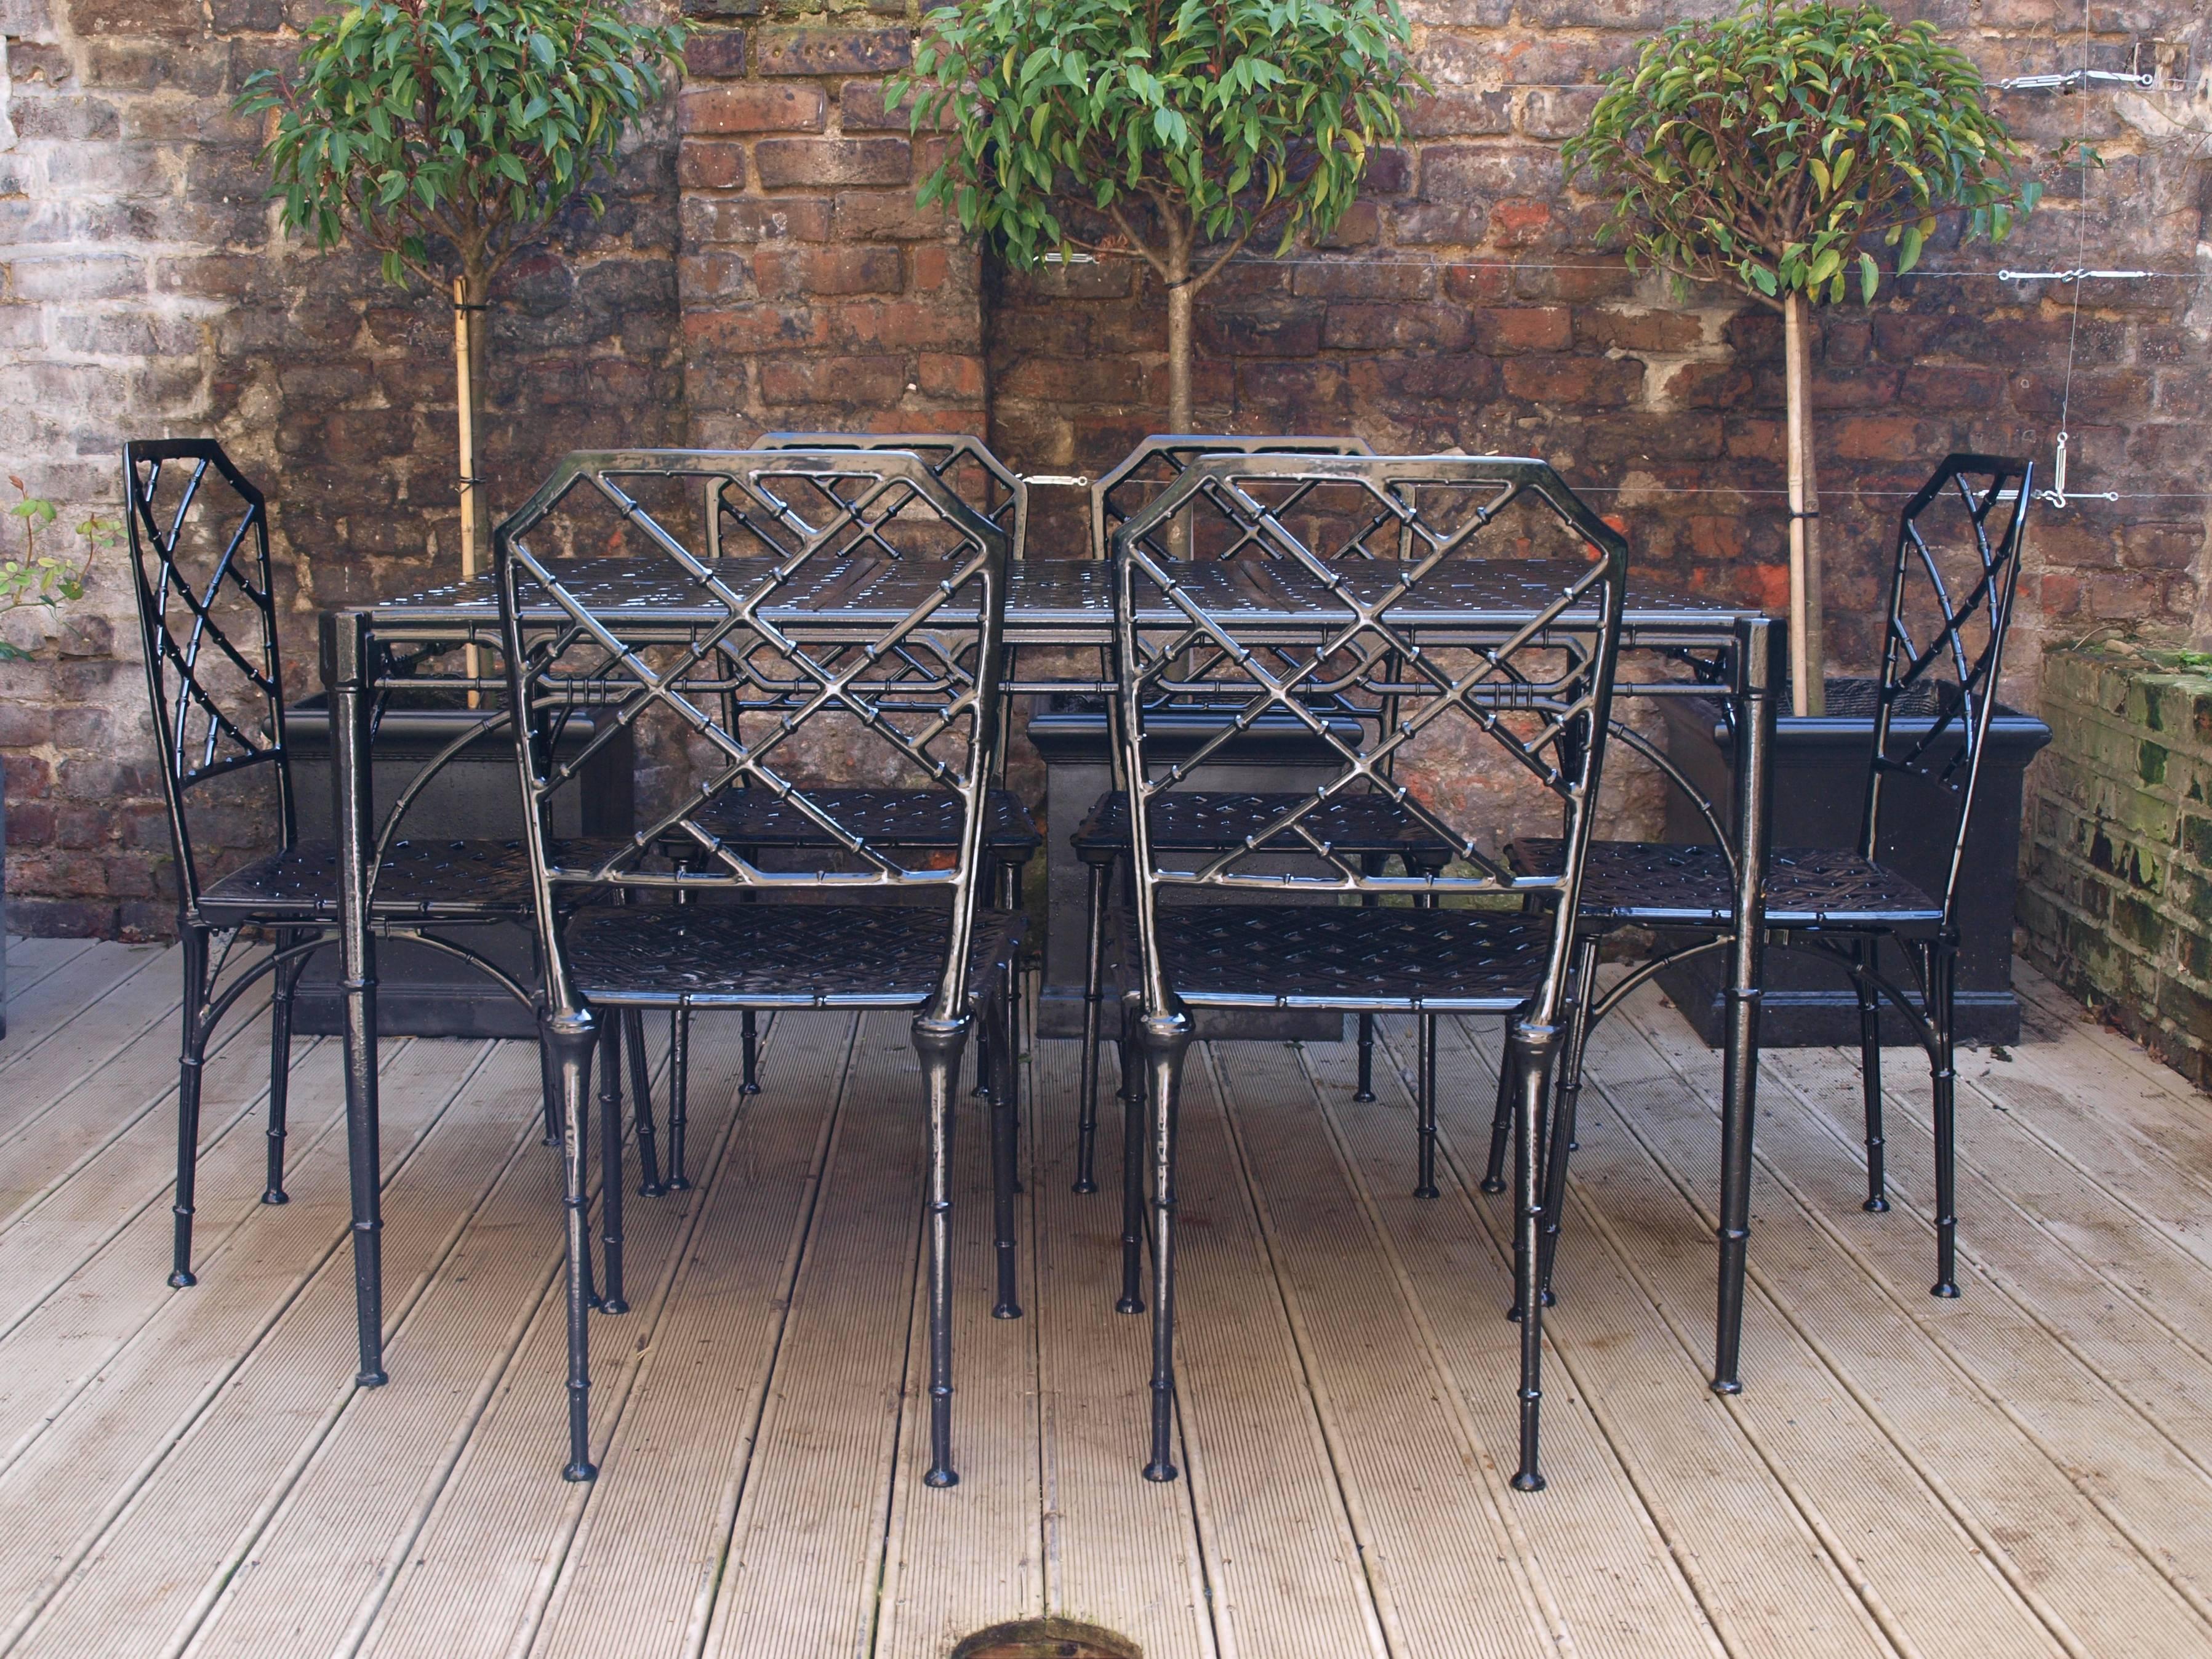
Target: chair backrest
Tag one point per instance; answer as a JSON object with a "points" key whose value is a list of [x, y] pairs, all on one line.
{"points": [[892, 654], [1445, 660], [207, 624], [1955, 570], [1155, 464], [960, 459]]}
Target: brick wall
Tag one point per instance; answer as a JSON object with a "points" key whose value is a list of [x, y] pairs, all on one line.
{"points": [[762, 265], [2117, 900]]}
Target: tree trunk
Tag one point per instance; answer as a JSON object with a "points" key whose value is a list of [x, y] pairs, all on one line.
{"points": [[1178, 263], [1807, 653], [469, 331]]}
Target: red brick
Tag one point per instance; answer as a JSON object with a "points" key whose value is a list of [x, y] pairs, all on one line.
{"points": [[1460, 112], [754, 106], [714, 55], [874, 216], [910, 325], [831, 52], [164, 19], [1429, 328], [829, 270], [1647, 330], [756, 328], [781, 162], [949, 374], [753, 219], [859, 381], [1529, 328], [1575, 382], [707, 164]]}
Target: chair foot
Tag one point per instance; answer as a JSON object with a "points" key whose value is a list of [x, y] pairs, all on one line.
{"points": [[1490, 1186], [580, 1472], [1424, 1191], [1528, 1481], [1085, 1187], [1161, 1471], [1876, 1207], [1944, 1288], [275, 1195], [681, 1183], [1725, 1385], [370, 1379], [181, 1280], [1130, 1304], [1007, 1311], [1364, 1096], [614, 1304], [652, 1189], [940, 1477]]}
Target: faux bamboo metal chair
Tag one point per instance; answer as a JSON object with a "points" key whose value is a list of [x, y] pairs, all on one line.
{"points": [[1955, 565], [1369, 826], [909, 672], [1526, 682], [207, 617]]}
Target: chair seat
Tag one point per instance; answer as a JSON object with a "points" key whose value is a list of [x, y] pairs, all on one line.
{"points": [[418, 878], [1203, 821], [1658, 884], [1281, 956], [778, 956], [884, 818]]}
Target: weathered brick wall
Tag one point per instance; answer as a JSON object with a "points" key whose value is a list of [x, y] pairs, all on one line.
{"points": [[2116, 903], [762, 265], [148, 293]]}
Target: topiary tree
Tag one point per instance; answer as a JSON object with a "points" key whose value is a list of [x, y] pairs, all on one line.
{"points": [[446, 134], [1191, 127], [1766, 149]]}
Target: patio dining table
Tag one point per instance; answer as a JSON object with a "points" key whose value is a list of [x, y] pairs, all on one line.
{"points": [[1059, 612]]}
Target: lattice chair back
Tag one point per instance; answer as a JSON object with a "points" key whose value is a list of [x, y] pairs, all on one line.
{"points": [[875, 635], [1462, 676], [1154, 465], [207, 622], [1959, 542], [961, 459]]}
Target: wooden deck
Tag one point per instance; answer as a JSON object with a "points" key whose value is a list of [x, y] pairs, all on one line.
{"points": [[2027, 1470]]}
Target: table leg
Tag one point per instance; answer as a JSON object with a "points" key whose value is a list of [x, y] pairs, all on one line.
{"points": [[345, 653], [1756, 680]]}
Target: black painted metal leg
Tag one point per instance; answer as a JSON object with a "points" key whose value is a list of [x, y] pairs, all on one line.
{"points": [[1133, 1178], [750, 1082], [938, 1044], [1868, 953], [1166, 1039], [550, 1083], [679, 1090], [1366, 1091], [1425, 1186], [1006, 1159], [287, 979], [191, 1052], [650, 1185], [1942, 979], [1100, 876], [611, 1300], [1563, 1110], [1501, 1123], [569, 1038], [1533, 1072]]}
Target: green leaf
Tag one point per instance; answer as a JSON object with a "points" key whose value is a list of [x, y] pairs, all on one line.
{"points": [[1869, 278]]}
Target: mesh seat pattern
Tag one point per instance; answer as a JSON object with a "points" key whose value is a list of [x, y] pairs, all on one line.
{"points": [[1657, 883], [416, 878], [1202, 821], [1341, 956], [883, 817]]}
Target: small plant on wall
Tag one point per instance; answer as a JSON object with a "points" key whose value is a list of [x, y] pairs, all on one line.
{"points": [[1192, 127], [36, 581], [1766, 150], [446, 134]]}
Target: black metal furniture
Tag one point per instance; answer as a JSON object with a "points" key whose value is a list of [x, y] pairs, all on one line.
{"points": [[1531, 690], [1153, 465], [697, 650], [207, 616], [1954, 570]]}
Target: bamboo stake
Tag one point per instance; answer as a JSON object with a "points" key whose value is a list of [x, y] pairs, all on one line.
{"points": [[1807, 684], [465, 386]]}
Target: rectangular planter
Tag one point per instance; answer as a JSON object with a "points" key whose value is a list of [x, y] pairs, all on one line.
{"points": [[1071, 733], [1819, 785], [475, 797]]}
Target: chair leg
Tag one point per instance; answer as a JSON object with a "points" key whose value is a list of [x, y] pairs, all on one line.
{"points": [[191, 1052], [1942, 979], [1133, 1181], [1006, 1159], [1563, 1112], [650, 1184], [679, 1088], [287, 978], [1870, 958], [548, 1083], [1501, 1123], [1535, 1046], [1426, 1111], [1166, 1039], [1100, 876], [750, 1085], [938, 1045], [569, 1039], [611, 1300], [1366, 1091]]}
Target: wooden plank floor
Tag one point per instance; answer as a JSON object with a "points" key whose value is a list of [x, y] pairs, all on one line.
{"points": [[2026, 1470]]}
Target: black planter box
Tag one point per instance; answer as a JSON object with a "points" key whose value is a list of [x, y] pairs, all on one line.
{"points": [[475, 797], [1071, 733], [1819, 785]]}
